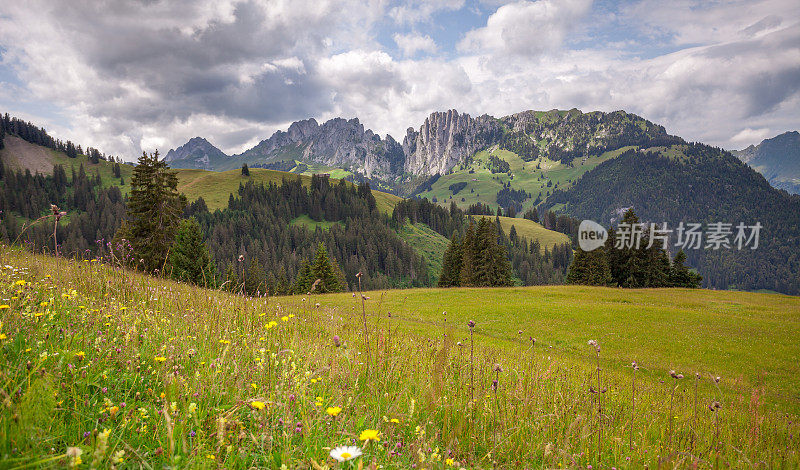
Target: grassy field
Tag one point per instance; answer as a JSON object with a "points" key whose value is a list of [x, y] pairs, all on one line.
{"points": [[105, 368], [533, 177], [19, 154], [429, 244], [216, 186], [533, 231], [312, 225]]}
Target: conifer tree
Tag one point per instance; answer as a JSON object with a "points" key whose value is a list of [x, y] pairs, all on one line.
{"points": [[451, 264], [245, 170], [154, 211], [468, 261], [590, 268], [189, 258]]}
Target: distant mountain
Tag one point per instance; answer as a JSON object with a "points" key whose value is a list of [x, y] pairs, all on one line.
{"points": [[338, 143], [197, 153], [778, 159], [444, 141], [696, 183]]}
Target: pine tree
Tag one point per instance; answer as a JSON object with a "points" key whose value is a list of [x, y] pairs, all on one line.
{"points": [[468, 258], [451, 264], [189, 257], [154, 211], [305, 278], [680, 276], [245, 170], [326, 271], [590, 268]]}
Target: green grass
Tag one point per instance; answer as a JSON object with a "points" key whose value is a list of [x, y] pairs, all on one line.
{"points": [[532, 177], [104, 168], [429, 244], [746, 337], [216, 186], [532, 231], [312, 225], [184, 377]]}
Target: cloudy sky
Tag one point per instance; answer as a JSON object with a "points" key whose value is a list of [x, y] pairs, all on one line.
{"points": [[127, 76]]}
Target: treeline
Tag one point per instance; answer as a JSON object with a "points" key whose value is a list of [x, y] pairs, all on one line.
{"points": [[642, 264], [706, 185], [256, 234], [530, 264], [95, 213], [33, 134]]}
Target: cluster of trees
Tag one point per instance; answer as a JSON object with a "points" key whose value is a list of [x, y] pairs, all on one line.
{"points": [[261, 226], [520, 143], [706, 185], [530, 264], [645, 265], [498, 165], [476, 260], [508, 197]]}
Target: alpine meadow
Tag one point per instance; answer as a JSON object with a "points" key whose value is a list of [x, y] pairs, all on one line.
{"points": [[470, 234]]}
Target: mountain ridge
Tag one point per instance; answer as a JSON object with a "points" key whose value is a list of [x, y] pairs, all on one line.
{"points": [[445, 140], [777, 158]]}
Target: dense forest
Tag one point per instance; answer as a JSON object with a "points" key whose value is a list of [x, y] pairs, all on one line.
{"points": [[703, 185]]}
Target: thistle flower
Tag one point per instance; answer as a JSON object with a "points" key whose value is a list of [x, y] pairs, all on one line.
{"points": [[345, 453], [471, 324], [336, 341]]}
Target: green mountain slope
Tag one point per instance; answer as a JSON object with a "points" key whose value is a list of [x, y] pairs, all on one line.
{"points": [[778, 159], [695, 183]]}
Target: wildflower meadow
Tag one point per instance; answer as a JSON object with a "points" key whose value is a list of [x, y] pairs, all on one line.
{"points": [[106, 368]]}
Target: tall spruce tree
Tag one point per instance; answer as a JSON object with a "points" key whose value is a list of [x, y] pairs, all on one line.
{"points": [[189, 257], [467, 277], [590, 268], [319, 267], [154, 211], [451, 264], [680, 276]]}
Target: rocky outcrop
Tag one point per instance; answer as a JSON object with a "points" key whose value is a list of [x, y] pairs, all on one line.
{"points": [[338, 143], [196, 153], [446, 139]]}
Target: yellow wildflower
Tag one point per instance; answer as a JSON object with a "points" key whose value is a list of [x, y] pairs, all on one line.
{"points": [[4, 306], [257, 405], [333, 411], [160, 358], [370, 435]]}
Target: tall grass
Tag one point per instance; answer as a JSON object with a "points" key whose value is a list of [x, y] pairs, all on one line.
{"points": [[110, 368]]}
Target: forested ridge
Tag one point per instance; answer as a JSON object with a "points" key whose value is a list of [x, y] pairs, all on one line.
{"points": [[699, 184]]}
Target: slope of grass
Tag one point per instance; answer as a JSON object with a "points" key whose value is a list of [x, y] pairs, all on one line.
{"points": [[429, 244], [311, 224], [19, 154], [532, 231], [532, 177], [745, 337], [216, 186], [131, 371]]}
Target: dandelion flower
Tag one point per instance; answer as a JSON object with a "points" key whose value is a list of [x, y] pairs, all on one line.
{"points": [[370, 435], [160, 358], [257, 405], [4, 306], [333, 411], [345, 453]]}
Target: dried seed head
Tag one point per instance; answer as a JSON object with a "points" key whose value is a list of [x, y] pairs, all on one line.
{"points": [[717, 379], [241, 258], [675, 375], [498, 368]]}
